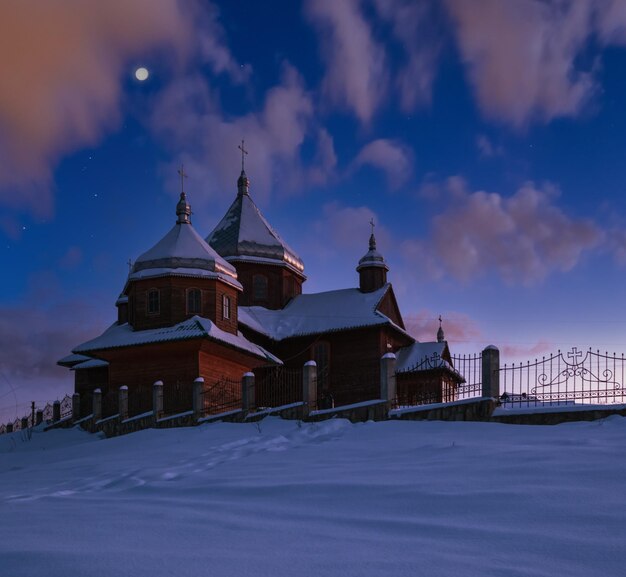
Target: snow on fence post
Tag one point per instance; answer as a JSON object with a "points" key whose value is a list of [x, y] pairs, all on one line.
{"points": [[56, 411], [122, 402], [309, 386], [97, 405], [388, 377], [38, 417], [157, 399], [75, 407], [248, 392], [197, 399], [491, 372]]}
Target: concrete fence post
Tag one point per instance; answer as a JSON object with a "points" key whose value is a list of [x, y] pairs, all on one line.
{"points": [[75, 407], [248, 392], [157, 399], [197, 399], [38, 417], [491, 372], [309, 386], [388, 377], [122, 402], [97, 405], [56, 411]]}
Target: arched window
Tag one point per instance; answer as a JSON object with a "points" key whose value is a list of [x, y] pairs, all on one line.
{"points": [[154, 302], [194, 301], [259, 287], [321, 356]]}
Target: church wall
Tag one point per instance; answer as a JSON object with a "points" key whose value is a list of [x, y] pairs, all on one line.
{"points": [[173, 302], [217, 362], [283, 284]]}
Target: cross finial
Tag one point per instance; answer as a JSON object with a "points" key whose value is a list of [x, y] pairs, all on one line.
{"points": [[372, 224], [243, 153], [183, 175], [130, 265], [440, 320]]}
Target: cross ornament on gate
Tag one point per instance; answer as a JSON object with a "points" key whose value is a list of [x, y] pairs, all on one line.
{"points": [[575, 354]]}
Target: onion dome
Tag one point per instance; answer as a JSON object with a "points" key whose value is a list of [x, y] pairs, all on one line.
{"points": [[183, 252], [440, 336], [244, 234], [372, 257]]}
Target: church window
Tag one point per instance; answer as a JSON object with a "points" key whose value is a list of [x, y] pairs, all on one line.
{"points": [[194, 303], [154, 304], [259, 286], [225, 307], [321, 356]]}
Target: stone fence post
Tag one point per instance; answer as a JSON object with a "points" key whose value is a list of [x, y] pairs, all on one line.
{"points": [[38, 417], [122, 402], [309, 386], [75, 407], [491, 372], [197, 398], [388, 377], [97, 405], [157, 399], [56, 411], [248, 392]]}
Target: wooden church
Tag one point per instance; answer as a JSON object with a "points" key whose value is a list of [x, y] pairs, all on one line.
{"points": [[230, 303]]}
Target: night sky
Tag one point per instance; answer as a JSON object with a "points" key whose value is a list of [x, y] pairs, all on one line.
{"points": [[487, 139]]}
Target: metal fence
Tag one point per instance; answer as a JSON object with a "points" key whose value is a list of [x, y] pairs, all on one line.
{"points": [[177, 398], [221, 396], [277, 386], [139, 401], [471, 369], [577, 377]]}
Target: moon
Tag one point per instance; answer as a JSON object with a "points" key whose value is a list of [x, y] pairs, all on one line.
{"points": [[142, 74]]}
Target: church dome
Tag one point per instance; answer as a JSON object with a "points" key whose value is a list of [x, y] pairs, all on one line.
{"points": [[244, 234], [372, 257], [183, 252]]}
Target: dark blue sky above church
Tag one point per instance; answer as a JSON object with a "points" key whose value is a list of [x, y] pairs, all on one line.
{"points": [[487, 139]]}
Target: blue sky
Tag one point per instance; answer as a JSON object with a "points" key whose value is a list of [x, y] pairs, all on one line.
{"points": [[487, 139]]}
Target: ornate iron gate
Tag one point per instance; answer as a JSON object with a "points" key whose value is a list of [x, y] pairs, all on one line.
{"points": [[576, 377]]}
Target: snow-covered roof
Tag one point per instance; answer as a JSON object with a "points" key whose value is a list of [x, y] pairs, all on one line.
{"points": [[71, 360], [372, 257], [318, 313], [422, 357], [244, 233], [183, 252], [117, 336], [90, 364]]}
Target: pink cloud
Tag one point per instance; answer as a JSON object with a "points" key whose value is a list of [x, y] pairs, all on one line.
{"points": [[523, 237], [389, 156], [458, 327], [188, 117], [511, 352], [60, 86], [521, 56], [356, 76], [487, 148], [72, 258]]}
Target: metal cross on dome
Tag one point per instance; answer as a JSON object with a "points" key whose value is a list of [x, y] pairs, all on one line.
{"points": [[183, 175], [243, 152], [372, 224]]}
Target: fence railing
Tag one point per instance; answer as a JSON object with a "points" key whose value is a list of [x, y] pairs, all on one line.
{"points": [[221, 396], [577, 377], [177, 398], [277, 386]]}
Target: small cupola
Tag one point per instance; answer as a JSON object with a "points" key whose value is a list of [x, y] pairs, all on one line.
{"points": [[183, 210], [372, 267], [440, 336]]}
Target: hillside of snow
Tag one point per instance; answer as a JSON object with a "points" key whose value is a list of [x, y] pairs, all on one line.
{"points": [[327, 499]]}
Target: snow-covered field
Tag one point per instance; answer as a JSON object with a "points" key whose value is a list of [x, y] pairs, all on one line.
{"points": [[392, 498]]}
